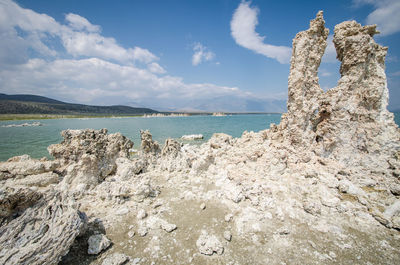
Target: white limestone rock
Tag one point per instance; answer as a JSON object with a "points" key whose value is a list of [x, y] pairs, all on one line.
{"points": [[116, 259], [43, 233], [209, 244], [97, 243]]}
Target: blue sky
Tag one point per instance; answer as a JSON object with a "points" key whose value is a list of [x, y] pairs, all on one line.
{"points": [[175, 55]]}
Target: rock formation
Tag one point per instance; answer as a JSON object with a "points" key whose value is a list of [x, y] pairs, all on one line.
{"points": [[306, 191], [43, 233], [349, 123]]}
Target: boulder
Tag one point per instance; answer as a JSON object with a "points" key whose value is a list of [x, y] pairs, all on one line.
{"points": [[43, 233]]}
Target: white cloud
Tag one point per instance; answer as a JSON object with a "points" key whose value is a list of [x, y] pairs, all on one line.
{"points": [[386, 15], [156, 68], [79, 37], [86, 80], [201, 54], [324, 73], [91, 68], [243, 31], [143, 55], [80, 23]]}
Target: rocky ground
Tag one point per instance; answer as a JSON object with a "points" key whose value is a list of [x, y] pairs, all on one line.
{"points": [[322, 187]]}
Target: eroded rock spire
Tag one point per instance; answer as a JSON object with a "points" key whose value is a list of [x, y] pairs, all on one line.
{"points": [[349, 122]]}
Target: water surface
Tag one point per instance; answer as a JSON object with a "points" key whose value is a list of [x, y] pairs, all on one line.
{"points": [[34, 140]]}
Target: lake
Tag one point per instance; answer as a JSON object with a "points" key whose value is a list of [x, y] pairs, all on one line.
{"points": [[34, 140]]}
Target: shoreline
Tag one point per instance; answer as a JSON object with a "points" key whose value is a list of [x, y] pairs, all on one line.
{"points": [[21, 117]]}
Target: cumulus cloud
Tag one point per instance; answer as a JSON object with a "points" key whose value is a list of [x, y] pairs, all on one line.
{"points": [[80, 23], [386, 15], [201, 54], [79, 37], [243, 31], [89, 66], [88, 79], [156, 68]]}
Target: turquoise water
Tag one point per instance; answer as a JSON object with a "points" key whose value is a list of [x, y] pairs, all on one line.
{"points": [[34, 140]]}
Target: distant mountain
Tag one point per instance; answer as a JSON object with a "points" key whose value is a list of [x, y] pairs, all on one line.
{"points": [[32, 104], [30, 98]]}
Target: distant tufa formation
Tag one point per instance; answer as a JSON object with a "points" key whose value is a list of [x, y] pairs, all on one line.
{"points": [[303, 192]]}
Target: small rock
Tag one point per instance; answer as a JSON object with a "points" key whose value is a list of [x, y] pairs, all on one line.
{"points": [[209, 244], [228, 217], [122, 211], [312, 207], [283, 231], [395, 189], [142, 231], [228, 235], [168, 227], [141, 214], [115, 259], [97, 243], [202, 206], [136, 261], [131, 234]]}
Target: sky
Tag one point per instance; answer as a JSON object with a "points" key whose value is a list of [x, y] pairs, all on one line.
{"points": [[213, 55]]}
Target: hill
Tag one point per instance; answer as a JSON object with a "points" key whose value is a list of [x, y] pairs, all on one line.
{"points": [[32, 104]]}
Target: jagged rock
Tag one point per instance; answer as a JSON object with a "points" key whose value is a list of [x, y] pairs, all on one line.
{"points": [[14, 201], [20, 166], [97, 243], [106, 147], [43, 233], [39, 180], [171, 147], [147, 144], [209, 244], [219, 140], [304, 90], [89, 156], [127, 168]]}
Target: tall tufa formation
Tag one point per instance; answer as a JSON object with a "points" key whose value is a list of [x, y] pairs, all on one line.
{"points": [[304, 89], [349, 123]]}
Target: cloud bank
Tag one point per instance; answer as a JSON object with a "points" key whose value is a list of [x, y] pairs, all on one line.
{"points": [[386, 15], [243, 31], [75, 62]]}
